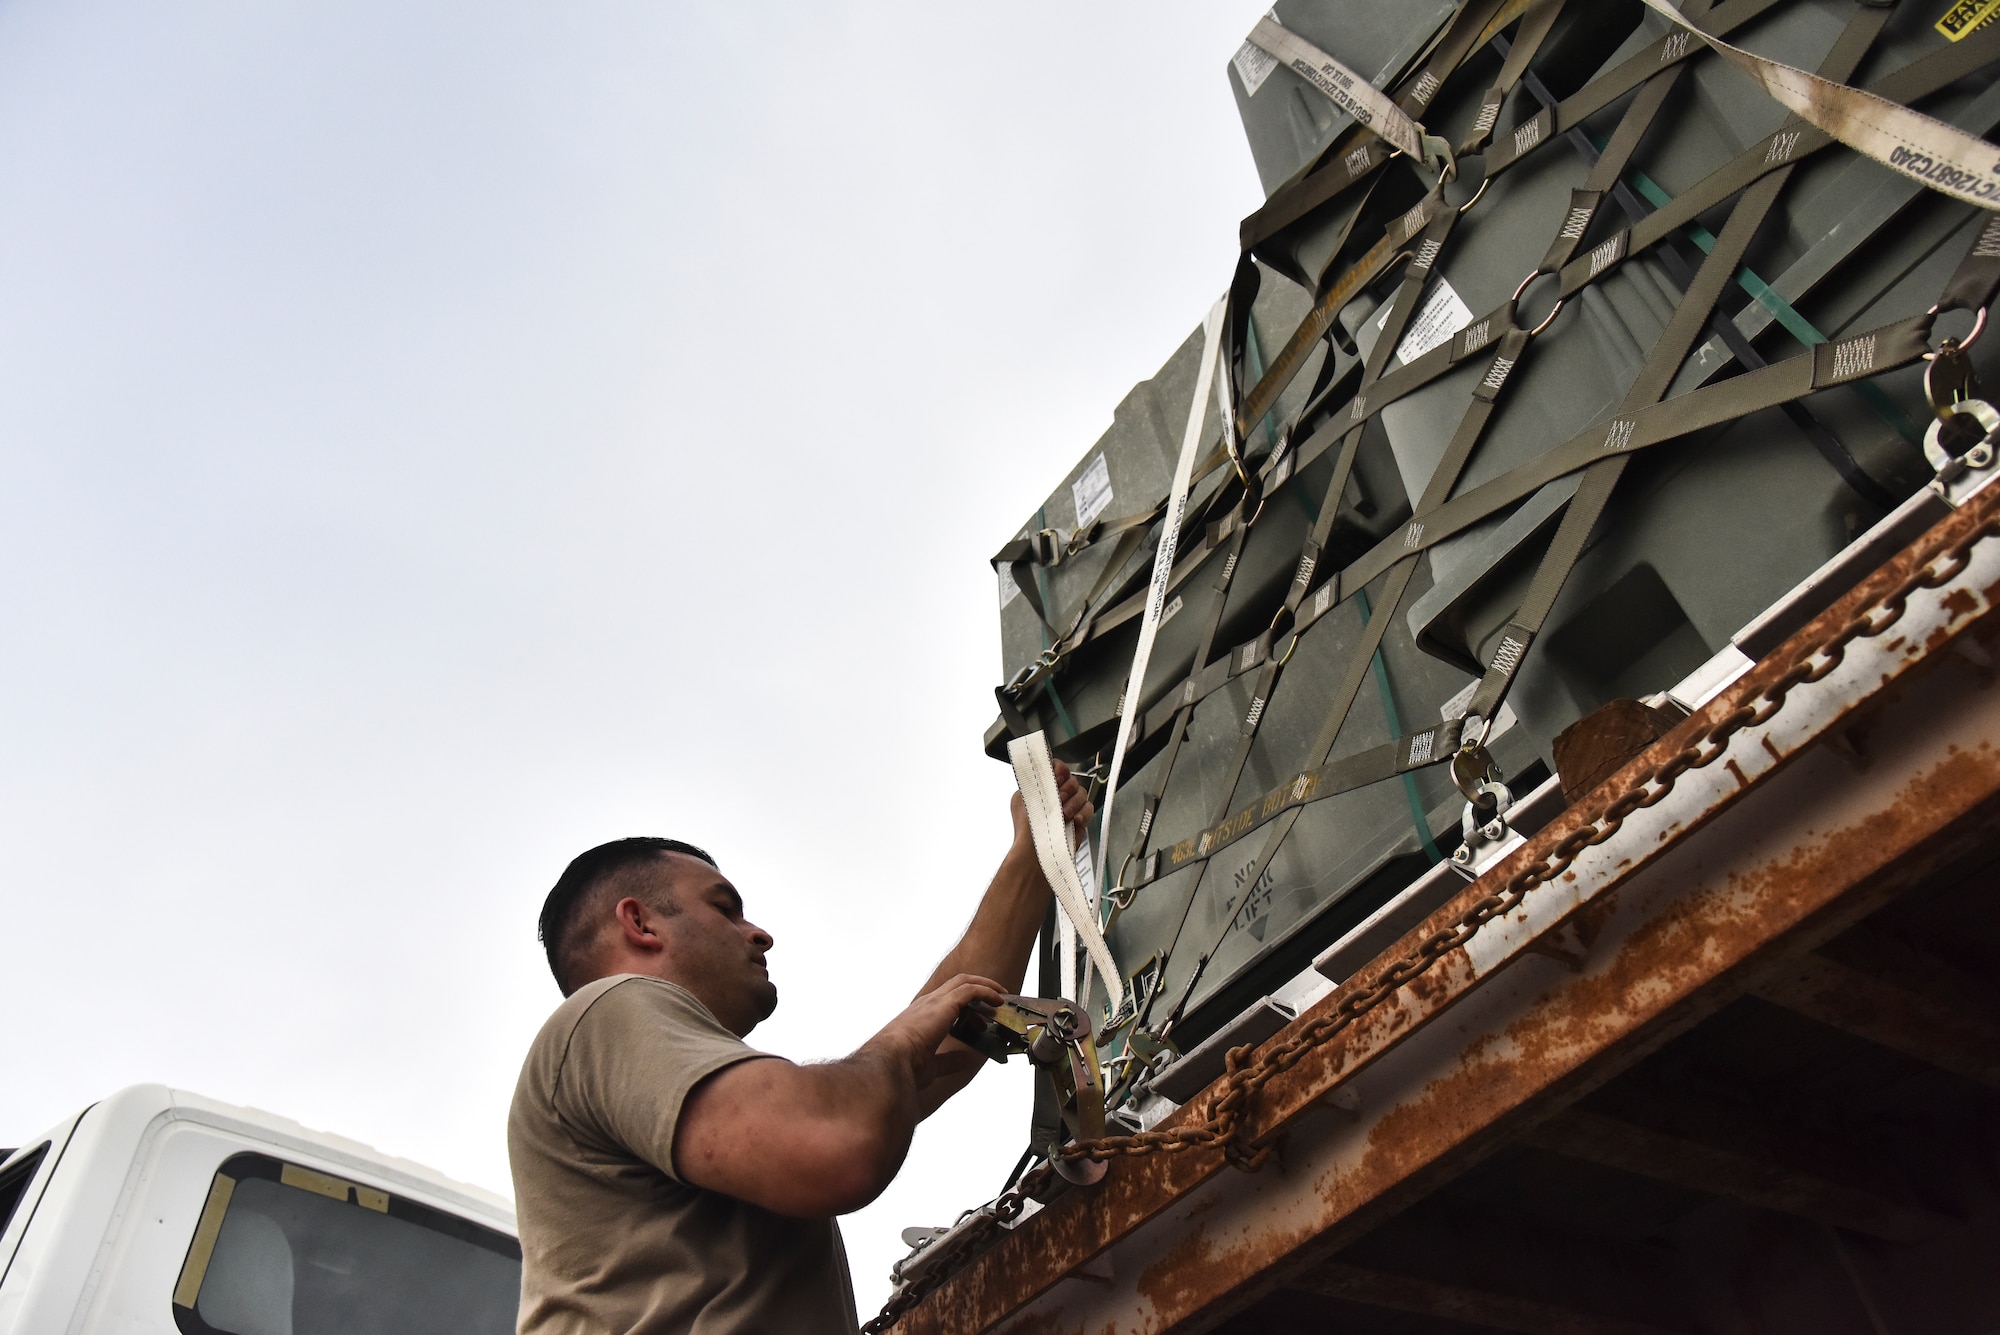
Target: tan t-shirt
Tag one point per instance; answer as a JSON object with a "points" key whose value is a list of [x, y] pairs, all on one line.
{"points": [[612, 1242]]}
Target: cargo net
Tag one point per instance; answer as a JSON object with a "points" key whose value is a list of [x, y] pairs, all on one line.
{"points": [[1425, 499]]}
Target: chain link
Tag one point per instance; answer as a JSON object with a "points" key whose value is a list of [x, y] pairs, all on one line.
{"points": [[1223, 1126]]}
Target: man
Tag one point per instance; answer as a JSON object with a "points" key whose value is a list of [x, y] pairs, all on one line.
{"points": [[670, 1178]]}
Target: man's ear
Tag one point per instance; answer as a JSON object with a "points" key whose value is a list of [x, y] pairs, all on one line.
{"points": [[639, 926]]}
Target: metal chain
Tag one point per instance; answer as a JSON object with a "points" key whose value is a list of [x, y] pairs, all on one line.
{"points": [[962, 1245], [1223, 1126]]}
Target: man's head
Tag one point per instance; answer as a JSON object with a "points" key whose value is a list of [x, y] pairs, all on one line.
{"points": [[658, 907]]}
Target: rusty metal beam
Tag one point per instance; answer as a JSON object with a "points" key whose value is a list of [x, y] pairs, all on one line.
{"points": [[1939, 1026], [1775, 847], [1644, 1152], [1455, 1302]]}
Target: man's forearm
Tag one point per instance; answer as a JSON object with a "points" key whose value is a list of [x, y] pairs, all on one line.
{"points": [[810, 1141], [825, 1139], [1002, 933]]}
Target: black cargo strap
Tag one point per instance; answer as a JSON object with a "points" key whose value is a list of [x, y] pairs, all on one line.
{"points": [[1319, 320], [1444, 477], [1534, 30], [1359, 152], [1770, 386], [1721, 325], [1437, 222], [1514, 67], [1211, 676], [1180, 708], [1602, 91], [1921, 78], [1214, 535], [1691, 315], [1973, 284], [1783, 148], [1826, 364], [1049, 548], [1437, 219], [1676, 341], [1473, 340], [1370, 767], [1884, 349], [1771, 154], [1325, 779], [1352, 159], [1406, 754]]}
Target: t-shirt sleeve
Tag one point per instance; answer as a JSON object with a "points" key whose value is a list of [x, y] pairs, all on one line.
{"points": [[631, 1061]]}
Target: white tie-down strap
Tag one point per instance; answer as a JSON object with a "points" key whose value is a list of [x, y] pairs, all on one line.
{"points": [[1369, 105], [1941, 156], [1163, 568], [1036, 775]]}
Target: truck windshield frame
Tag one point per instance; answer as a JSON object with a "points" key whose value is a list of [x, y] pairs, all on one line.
{"points": [[283, 1249], [16, 1178]]}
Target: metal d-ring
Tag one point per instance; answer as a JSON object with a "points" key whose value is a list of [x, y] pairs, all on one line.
{"points": [[1959, 344], [1283, 612], [1515, 307], [1466, 207]]}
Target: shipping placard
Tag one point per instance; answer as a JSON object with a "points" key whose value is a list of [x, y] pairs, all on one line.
{"points": [[1966, 17]]}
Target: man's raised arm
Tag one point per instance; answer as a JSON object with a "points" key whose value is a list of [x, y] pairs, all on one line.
{"points": [[1001, 936], [821, 1140]]}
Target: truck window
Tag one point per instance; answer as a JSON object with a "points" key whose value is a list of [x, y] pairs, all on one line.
{"points": [[285, 1250], [14, 1180]]}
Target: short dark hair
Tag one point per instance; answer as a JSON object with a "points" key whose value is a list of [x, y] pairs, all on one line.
{"points": [[560, 929]]}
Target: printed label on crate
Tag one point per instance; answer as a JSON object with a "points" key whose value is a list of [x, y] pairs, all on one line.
{"points": [[1441, 316], [1009, 590], [1167, 612], [1254, 64], [1967, 17], [1092, 491]]}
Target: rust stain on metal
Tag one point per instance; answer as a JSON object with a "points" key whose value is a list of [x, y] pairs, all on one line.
{"points": [[1742, 779], [1168, 1282], [1050, 1323], [1688, 946], [1194, 1271]]}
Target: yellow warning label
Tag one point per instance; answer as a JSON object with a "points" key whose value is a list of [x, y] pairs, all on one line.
{"points": [[1967, 16]]}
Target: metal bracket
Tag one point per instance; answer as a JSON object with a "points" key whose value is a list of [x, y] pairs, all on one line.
{"points": [[1962, 476], [1055, 1035], [1487, 836]]}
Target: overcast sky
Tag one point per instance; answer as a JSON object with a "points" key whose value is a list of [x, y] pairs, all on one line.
{"points": [[438, 438]]}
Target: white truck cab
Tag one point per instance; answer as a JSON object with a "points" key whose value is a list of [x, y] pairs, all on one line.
{"points": [[158, 1212]]}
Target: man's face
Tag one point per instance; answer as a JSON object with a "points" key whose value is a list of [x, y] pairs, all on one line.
{"points": [[712, 950]]}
